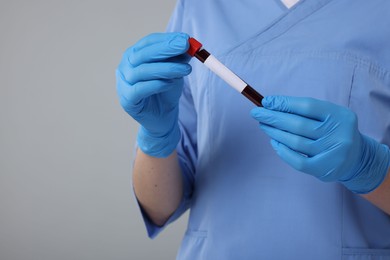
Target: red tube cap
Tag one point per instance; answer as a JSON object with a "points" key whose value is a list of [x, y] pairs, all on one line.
{"points": [[194, 46]]}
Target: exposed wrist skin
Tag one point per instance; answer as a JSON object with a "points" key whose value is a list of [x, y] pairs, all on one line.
{"points": [[380, 197], [373, 167]]}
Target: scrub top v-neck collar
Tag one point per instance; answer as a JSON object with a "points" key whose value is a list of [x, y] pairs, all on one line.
{"points": [[300, 11]]}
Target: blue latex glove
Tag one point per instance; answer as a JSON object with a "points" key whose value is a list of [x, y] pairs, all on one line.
{"points": [[323, 140], [149, 85]]}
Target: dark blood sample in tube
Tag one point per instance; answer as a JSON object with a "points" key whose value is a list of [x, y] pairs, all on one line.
{"points": [[223, 72]]}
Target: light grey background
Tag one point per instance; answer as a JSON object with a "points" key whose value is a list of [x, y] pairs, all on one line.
{"points": [[66, 146]]}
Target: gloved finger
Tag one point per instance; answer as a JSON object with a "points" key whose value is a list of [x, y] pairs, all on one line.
{"points": [[295, 142], [307, 107], [121, 84], [144, 89], [183, 58], [306, 164], [292, 123], [291, 157], [154, 38], [158, 51], [157, 70]]}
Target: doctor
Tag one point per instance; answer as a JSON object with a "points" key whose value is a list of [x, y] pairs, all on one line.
{"points": [[310, 183]]}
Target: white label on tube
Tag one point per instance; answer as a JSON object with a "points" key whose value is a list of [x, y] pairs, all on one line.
{"points": [[227, 75]]}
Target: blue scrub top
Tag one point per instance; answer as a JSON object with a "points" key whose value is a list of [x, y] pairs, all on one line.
{"points": [[245, 202]]}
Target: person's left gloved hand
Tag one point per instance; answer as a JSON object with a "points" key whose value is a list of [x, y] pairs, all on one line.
{"points": [[322, 139]]}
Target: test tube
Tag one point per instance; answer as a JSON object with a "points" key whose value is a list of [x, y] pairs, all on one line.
{"points": [[196, 50]]}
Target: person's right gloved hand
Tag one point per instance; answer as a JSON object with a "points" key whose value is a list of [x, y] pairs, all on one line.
{"points": [[149, 85]]}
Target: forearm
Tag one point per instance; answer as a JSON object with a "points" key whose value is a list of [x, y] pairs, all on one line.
{"points": [[380, 197], [158, 185]]}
